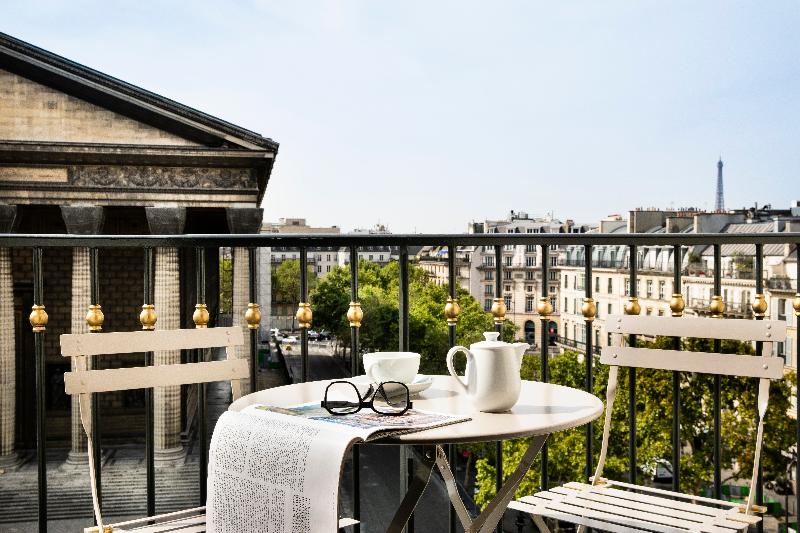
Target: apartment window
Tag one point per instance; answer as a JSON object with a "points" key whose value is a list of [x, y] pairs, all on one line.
{"points": [[552, 275], [597, 284], [610, 285], [508, 288], [507, 301], [609, 309], [661, 286], [329, 257], [487, 304], [581, 281], [649, 286], [781, 309], [552, 289], [370, 257], [529, 275], [566, 309], [627, 287], [553, 303], [528, 288], [283, 257], [488, 260], [660, 312], [506, 274], [319, 257], [328, 268], [319, 269], [529, 304], [597, 337], [380, 257], [554, 261], [488, 290], [530, 261], [566, 281], [530, 248], [489, 275], [508, 260], [649, 311], [509, 247]]}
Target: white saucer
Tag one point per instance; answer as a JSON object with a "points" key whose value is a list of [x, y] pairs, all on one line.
{"points": [[420, 383]]}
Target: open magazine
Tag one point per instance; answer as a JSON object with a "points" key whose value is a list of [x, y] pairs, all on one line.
{"points": [[277, 469]]}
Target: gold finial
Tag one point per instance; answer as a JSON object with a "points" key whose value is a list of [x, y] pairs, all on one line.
{"points": [[253, 315], [589, 309], [676, 304], [632, 306], [38, 318], [148, 317], [95, 318], [544, 307], [499, 310], [452, 310], [106, 529], [304, 314], [200, 316], [760, 305], [717, 306], [796, 304], [355, 315]]}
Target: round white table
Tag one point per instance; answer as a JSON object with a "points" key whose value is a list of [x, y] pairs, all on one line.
{"points": [[542, 409]]}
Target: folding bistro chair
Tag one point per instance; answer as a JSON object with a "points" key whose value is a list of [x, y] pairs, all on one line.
{"points": [[623, 507], [85, 382]]}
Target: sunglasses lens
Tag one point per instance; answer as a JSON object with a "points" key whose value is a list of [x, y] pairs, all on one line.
{"points": [[342, 399], [391, 398]]}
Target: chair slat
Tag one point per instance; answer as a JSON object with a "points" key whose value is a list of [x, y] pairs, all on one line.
{"points": [[154, 376], [525, 506], [704, 362], [75, 344], [704, 328]]}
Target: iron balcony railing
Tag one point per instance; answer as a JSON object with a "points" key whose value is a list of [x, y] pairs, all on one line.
{"points": [[702, 306], [578, 345], [308, 243]]}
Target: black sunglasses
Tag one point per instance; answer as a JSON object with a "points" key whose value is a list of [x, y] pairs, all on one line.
{"points": [[346, 399]]}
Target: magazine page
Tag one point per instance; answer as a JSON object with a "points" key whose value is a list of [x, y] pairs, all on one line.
{"points": [[366, 424], [273, 473]]}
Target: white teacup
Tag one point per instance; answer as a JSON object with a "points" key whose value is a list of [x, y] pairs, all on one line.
{"points": [[391, 366]]}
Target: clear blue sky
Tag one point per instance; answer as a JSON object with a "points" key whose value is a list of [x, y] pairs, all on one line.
{"points": [[425, 115]]}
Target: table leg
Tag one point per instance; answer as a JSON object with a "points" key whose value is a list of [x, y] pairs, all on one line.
{"points": [[424, 459]]}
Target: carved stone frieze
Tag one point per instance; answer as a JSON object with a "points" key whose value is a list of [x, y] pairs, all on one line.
{"points": [[152, 177]]}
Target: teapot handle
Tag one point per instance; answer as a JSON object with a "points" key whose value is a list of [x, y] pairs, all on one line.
{"points": [[453, 351]]}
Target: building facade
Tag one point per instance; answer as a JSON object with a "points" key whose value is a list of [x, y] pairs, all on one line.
{"points": [[84, 153]]}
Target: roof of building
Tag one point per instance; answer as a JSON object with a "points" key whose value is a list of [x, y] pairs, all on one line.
{"points": [[748, 249], [63, 74]]}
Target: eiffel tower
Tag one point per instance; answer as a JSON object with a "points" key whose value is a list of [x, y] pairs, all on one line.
{"points": [[720, 204]]}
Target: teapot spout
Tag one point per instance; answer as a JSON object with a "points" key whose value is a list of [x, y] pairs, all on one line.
{"points": [[520, 348]]}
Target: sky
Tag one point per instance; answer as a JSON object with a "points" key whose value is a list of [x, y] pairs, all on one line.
{"points": [[424, 116]]}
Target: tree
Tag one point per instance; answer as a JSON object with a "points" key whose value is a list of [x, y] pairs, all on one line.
{"points": [[654, 422], [286, 282], [379, 290]]}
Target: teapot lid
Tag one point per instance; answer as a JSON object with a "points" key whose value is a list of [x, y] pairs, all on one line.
{"points": [[492, 341]]}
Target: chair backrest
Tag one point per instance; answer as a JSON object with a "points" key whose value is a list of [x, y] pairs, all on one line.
{"points": [[81, 345], [766, 331], [85, 382]]}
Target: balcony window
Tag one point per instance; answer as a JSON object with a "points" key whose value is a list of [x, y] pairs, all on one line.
{"points": [[507, 301], [554, 261], [552, 275], [489, 275], [488, 260], [506, 274], [530, 261], [530, 248], [529, 305], [508, 259], [610, 288], [529, 275], [488, 290]]}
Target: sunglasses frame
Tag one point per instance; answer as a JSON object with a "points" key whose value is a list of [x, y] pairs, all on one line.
{"points": [[363, 403]]}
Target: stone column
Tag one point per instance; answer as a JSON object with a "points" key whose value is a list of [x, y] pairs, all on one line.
{"points": [[80, 220], [167, 400], [265, 291], [242, 220], [8, 378]]}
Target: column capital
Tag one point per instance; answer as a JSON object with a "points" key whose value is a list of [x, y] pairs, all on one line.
{"points": [[8, 218], [83, 219], [244, 219], [166, 220]]}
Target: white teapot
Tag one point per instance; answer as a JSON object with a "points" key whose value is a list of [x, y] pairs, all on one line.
{"points": [[492, 379]]}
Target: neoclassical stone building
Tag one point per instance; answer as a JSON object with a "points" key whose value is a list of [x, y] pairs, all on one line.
{"points": [[84, 153]]}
